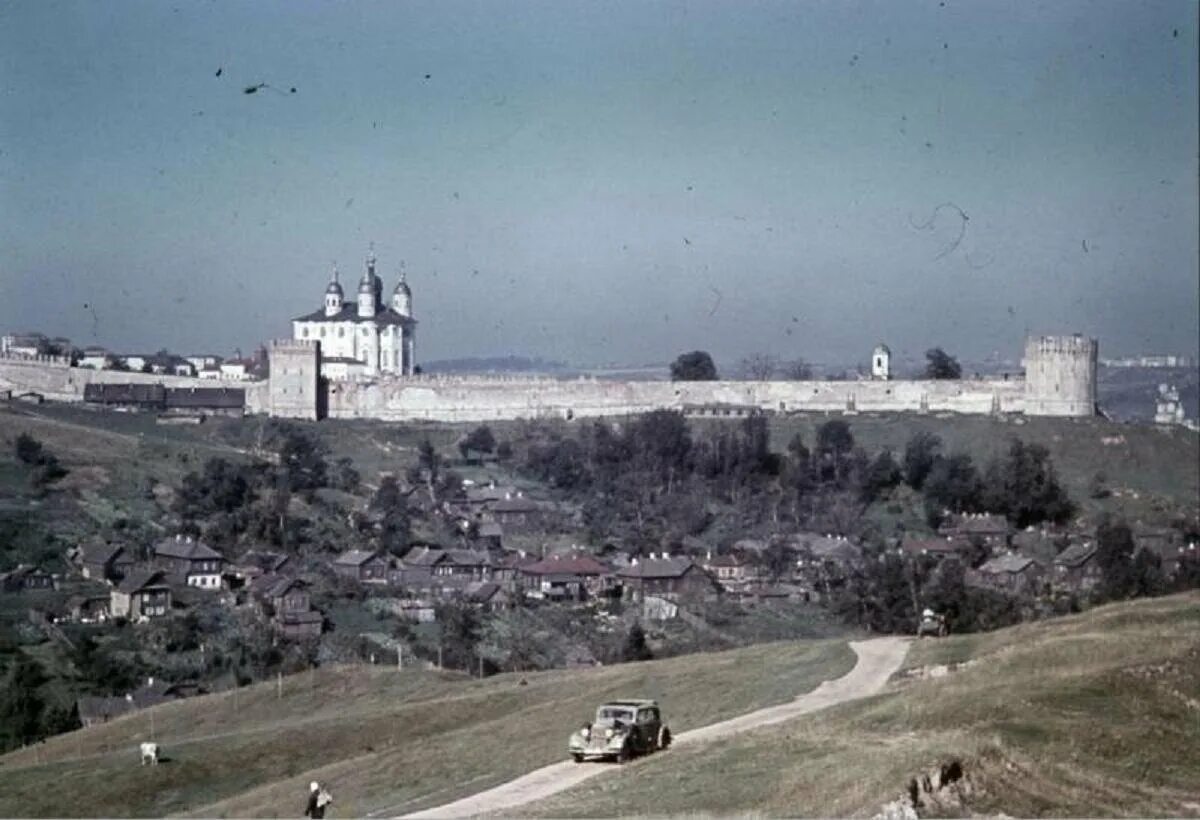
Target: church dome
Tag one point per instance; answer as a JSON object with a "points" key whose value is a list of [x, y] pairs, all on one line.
{"points": [[402, 287], [334, 288]]}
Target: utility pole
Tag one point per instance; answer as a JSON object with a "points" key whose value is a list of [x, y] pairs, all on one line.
{"points": [[279, 686]]}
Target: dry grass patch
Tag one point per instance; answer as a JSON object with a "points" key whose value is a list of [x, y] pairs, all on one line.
{"points": [[1091, 715]]}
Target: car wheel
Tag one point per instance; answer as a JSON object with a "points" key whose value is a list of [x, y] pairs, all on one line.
{"points": [[623, 755], [664, 737], [578, 758]]}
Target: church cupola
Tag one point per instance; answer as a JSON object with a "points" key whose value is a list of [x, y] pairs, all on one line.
{"points": [[333, 295], [367, 289], [402, 296]]}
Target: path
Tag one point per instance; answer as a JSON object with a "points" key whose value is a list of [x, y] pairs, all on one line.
{"points": [[877, 660]]}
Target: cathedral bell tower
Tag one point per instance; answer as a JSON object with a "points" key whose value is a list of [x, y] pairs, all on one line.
{"points": [[367, 290], [333, 295]]}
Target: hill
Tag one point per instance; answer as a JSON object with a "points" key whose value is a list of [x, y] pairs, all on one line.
{"points": [[1089, 715], [386, 740]]}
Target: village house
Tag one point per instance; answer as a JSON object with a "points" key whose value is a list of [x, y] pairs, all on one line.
{"points": [[95, 710], [491, 535], [673, 578], [822, 563], [939, 548], [192, 562], [286, 602], [732, 571], [473, 564], [88, 609], [574, 577], [26, 578], [419, 565], [254, 564], [506, 570], [1076, 568], [100, 561], [992, 531], [1171, 555], [487, 596], [1011, 573], [96, 358], [363, 566], [515, 513], [142, 594]]}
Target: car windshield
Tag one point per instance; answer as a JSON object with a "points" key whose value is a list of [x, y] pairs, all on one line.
{"points": [[614, 713]]}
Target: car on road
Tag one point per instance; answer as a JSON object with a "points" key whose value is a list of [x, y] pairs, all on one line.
{"points": [[622, 729]]}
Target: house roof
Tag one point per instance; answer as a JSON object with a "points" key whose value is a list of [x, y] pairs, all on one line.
{"points": [[982, 524], [99, 552], [264, 560], [482, 591], [355, 558], [349, 313], [142, 580], [577, 564], [151, 394], [940, 546], [300, 618], [1076, 554], [423, 556], [1010, 563], [468, 558], [725, 561], [490, 529], [218, 397], [274, 586], [515, 505], [658, 568], [192, 550]]}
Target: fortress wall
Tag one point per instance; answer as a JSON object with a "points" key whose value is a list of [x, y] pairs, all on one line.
{"points": [[466, 399]]}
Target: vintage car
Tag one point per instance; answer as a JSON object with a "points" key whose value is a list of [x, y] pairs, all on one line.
{"points": [[622, 728], [932, 623]]}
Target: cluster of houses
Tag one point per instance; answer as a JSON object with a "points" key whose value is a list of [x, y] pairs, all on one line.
{"points": [[182, 571], [162, 363]]}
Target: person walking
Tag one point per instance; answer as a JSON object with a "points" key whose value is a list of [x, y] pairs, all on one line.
{"points": [[318, 799]]}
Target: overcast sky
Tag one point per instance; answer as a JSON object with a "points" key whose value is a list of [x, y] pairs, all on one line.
{"points": [[606, 182]]}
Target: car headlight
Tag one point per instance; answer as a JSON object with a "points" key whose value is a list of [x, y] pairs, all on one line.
{"points": [[586, 732], [608, 733]]}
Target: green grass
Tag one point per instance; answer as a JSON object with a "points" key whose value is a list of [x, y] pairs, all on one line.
{"points": [[1089, 715], [383, 739]]}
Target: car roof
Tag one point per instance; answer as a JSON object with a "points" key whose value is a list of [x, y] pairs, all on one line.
{"points": [[632, 704]]}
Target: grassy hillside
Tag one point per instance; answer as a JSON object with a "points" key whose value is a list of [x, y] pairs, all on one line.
{"points": [[383, 739], [1092, 715]]}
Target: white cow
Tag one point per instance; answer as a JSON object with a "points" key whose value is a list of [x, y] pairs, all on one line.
{"points": [[150, 754]]}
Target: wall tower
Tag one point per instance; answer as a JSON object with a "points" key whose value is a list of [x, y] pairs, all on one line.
{"points": [[294, 390], [881, 363], [1060, 376]]}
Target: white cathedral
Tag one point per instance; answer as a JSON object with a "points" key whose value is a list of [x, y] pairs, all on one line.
{"points": [[366, 337]]}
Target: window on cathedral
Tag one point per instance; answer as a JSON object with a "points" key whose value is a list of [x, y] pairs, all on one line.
{"points": [[341, 332], [322, 332], [304, 333]]}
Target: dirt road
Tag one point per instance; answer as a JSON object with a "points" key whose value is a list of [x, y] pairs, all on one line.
{"points": [[877, 660]]}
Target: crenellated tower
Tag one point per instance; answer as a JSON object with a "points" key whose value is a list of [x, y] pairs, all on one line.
{"points": [[1060, 375]]}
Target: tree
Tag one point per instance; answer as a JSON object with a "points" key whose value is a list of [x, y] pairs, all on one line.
{"points": [[798, 370], [920, 454], [635, 647], [1114, 553], [696, 366], [394, 520], [29, 450], [1023, 486], [882, 475], [345, 477], [758, 367], [480, 440], [941, 365], [21, 704], [952, 484]]}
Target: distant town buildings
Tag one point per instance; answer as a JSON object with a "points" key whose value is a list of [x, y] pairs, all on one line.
{"points": [[1168, 360]]}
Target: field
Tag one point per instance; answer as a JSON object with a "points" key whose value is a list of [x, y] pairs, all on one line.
{"points": [[384, 739], [1092, 715]]}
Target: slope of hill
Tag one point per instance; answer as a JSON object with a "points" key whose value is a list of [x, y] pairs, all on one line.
{"points": [[386, 741], [1091, 715]]}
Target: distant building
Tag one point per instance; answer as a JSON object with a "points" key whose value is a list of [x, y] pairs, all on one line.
{"points": [[194, 563], [143, 594]]}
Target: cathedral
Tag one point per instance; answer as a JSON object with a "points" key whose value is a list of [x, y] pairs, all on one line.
{"points": [[364, 337]]}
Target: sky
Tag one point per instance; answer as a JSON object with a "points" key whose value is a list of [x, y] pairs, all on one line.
{"points": [[606, 182]]}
